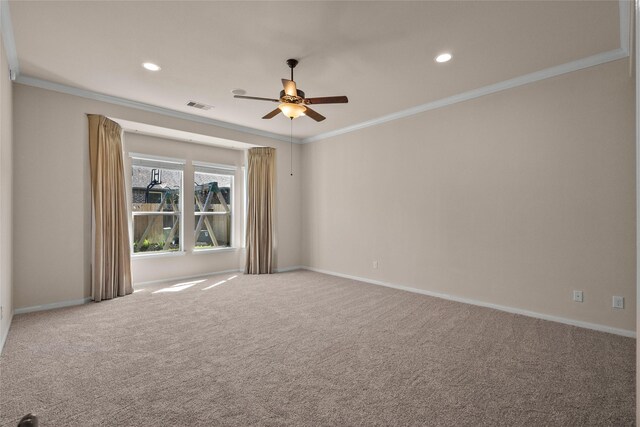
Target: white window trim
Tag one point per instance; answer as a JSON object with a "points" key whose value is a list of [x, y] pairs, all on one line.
{"points": [[219, 169], [158, 254], [231, 169], [213, 213], [175, 164], [148, 213], [151, 157], [213, 250]]}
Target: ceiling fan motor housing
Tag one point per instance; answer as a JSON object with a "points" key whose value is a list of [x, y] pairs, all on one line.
{"points": [[292, 99]]}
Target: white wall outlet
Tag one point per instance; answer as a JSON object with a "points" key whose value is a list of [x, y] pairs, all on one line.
{"points": [[618, 302], [375, 264], [577, 296]]}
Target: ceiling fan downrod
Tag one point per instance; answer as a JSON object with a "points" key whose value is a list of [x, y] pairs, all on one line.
{"points": [[292, 64]]}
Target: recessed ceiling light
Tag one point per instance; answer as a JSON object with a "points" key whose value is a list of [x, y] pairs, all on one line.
{"points": [[151, 66], [443, 57], [239, 92]]}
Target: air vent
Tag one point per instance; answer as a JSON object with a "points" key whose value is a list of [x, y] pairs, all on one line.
{"points": [[199, 105]]}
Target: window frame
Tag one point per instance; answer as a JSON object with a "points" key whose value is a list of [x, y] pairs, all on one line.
{"points": [[167, 163], [217, 169]]}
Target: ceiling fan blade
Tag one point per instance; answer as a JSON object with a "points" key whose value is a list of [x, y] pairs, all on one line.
{"points": [[314, 115], [272, 114], [256, 98], [327, 100], [290, 87]]}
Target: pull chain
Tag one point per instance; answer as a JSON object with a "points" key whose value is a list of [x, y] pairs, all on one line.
{"points": [[291, 144]]}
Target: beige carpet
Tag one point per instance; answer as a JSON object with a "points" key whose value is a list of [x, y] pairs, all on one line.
{"points": [[302, 349]]}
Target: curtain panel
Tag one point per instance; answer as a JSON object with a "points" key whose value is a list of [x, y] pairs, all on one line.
{"points": [[111, 254], [260, 189]]}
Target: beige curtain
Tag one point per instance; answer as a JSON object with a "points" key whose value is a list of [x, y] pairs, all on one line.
{"points": [[260, 187], [111, 264]]}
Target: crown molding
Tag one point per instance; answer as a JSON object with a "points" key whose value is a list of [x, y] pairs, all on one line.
{"points": [[8, 40], [84, 93], [591, 61], [625, 24], [601, 58]]}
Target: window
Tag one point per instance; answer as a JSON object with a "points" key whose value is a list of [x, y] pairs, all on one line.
{"points": [[156, 210], [213, 206]]}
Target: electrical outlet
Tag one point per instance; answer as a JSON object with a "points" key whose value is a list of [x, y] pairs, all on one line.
{"points": [[577, 296], [375, 264], [618, 302]]}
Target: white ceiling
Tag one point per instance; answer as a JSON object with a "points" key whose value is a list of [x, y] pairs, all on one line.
{"points": [[379, 54]]}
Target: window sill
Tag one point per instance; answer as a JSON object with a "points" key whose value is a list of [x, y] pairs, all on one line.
{"points": [[157, 255], [213, 250]]}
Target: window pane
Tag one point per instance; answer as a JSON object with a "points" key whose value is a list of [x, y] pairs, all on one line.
{"points": [[213, 199], [213, 231], [155, 189], [153, 233], [212, 192]]}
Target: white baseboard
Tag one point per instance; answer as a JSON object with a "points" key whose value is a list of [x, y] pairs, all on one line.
{"points": [[135, 285], [587, 325], [70, 303], [292, 268], [3, 338], [52, 305], [581, 324], [192, 277]]}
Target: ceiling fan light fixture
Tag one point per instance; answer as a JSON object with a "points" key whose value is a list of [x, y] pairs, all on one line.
{"points": [[291, 110]]}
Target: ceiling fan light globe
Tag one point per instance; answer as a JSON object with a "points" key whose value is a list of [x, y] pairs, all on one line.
{"points": [[292, 111]]}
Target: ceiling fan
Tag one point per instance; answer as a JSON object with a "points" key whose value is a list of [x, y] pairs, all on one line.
{"points": [[293, 104]]}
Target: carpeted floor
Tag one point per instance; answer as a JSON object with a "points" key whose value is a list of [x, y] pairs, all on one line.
{"points": [[303, 349]]}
